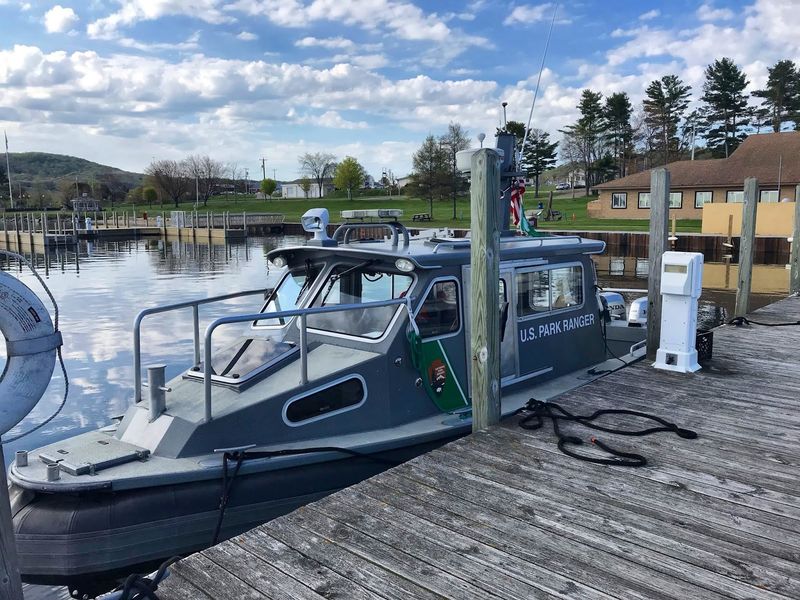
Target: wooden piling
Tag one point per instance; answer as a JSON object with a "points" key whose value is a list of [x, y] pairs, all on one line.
{"points": [[794, 261], [746, 246], [659, 228], [484, 292], [10, 582]]}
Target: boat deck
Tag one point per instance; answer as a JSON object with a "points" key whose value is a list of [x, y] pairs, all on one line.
{"points": [[503, 514]]}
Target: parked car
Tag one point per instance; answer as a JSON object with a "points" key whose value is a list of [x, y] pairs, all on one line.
{"points": [[562, 186]]}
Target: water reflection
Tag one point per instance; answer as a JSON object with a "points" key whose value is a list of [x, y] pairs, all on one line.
{"points": [[101, 286]]}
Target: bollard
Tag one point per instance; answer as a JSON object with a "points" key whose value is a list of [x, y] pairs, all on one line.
{"points": [[53, 472], [157, 391], [21, 458]]}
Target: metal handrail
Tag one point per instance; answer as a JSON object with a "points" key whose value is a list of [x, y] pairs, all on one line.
{"points": [[394, 227], [298, 312], [194, 305]]}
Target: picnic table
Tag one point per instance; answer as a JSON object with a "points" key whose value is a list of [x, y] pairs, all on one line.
{"points": [[421, 217]]}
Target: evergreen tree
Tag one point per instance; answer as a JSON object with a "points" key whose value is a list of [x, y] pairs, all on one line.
{"points": [[666, 101], [430, 177], [538, 156], [725, 112], [781, 98], [619, 133], [517, 128]]}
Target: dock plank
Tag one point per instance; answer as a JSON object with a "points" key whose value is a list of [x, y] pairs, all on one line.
{"points": [[504, 514]]}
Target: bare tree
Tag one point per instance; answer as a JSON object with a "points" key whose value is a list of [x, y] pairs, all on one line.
{"points": [[170, 176], [206, 171], [319, 166], [234, 171]]}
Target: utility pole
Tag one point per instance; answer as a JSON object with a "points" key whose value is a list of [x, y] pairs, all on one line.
{"points": [[246, 181], [263, 168], [8, 173]]}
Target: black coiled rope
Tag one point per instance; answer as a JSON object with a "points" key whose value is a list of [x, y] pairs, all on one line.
{"points": [[537, 411], [739, 321], [137, 587]]}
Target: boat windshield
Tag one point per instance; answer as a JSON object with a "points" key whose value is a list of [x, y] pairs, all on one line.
{"points": [[287, 294], [359, 284]]}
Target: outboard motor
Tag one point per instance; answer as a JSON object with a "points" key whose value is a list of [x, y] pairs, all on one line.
{"points": [[637, 315], [615, 304]]}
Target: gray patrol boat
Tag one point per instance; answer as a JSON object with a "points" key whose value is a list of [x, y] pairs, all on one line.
{"points": [[357, 360]]}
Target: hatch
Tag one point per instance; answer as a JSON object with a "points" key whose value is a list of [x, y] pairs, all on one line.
{"points": [[90, 453]]}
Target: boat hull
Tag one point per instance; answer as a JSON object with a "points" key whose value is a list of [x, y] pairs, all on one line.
{"points": [[76, 539]]}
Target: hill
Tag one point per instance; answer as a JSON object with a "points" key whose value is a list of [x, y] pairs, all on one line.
{"points": [[44, 170]]}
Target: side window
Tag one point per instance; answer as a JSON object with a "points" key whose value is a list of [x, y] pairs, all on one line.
{"points": [[533, 293], [566, 288], [440, 313], [330, 399], [542, 291]]}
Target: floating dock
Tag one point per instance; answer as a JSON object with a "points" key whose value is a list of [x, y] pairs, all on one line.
{"points": [[503, 514]]}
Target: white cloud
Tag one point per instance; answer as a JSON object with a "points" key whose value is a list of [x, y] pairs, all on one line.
{"points": [[528, 14], [330, 119], [650, 14], [134, 11], [247, 36], [59, 19], [190, 43], [707, 12], [334, 42], [401, 19]]}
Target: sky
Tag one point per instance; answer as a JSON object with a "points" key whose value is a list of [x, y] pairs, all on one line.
{"points": [[122, 82]]}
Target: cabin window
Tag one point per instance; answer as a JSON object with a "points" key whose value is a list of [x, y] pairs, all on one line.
{"points": [[735, 196], [619, 200], [644, 199], [675, 199], [440, 314], [359, 284], [547, 290], [335, 398], [769, 195], [701, 198]]}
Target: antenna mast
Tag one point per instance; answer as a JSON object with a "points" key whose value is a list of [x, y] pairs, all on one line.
{"points": [[538, 81]]}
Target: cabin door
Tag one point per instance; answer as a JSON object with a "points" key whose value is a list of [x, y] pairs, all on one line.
{"points": [[508, 319]]}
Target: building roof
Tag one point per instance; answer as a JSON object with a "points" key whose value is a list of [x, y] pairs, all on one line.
{"points": [[762, 156]]}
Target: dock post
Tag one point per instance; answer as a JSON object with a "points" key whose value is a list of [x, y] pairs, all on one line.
{"points": [[794, 261], [659, 228], [484, 292], [244, 222], [10, 582], [746, 246]]}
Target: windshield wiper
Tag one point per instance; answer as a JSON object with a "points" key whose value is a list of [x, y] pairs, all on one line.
{"points": [[307, 283]]}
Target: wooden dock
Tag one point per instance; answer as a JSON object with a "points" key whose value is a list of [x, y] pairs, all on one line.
{"points": [[503, 514]]}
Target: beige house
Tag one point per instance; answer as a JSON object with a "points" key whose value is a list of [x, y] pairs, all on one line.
{"points": [[773, 158]]}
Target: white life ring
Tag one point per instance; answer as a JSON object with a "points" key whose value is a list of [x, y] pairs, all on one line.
{"points": [[31, 343]]}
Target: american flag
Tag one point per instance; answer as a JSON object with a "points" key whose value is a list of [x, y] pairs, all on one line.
{"points": [[517, 190]]}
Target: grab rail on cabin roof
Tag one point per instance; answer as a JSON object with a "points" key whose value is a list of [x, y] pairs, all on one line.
{"points": [[346, 229]]}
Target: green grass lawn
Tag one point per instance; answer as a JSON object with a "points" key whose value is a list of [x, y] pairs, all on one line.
{"points": [[573, 211]]}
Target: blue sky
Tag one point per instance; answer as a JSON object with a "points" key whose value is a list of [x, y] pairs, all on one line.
{"points": [[124, 81]]}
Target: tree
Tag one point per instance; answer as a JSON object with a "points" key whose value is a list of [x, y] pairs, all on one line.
{"points": [[349, 176], [538, 156], [725, 110], [170, 176], [619, 133], [305, 185], [430, 170], [149, 195], [666, 101], [781, 98], [206, 172], [587, 133], [268, 187], [455, 140], [318, 166]]}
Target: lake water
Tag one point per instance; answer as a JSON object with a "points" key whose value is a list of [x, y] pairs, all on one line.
{"points": [[102, 287]]}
